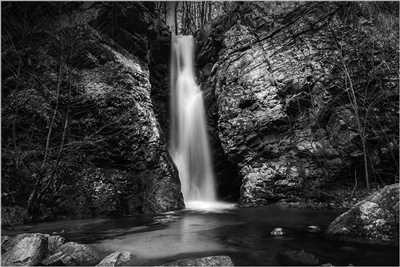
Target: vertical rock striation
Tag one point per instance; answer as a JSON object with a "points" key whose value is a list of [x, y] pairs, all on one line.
{"points": [[283, 115]]}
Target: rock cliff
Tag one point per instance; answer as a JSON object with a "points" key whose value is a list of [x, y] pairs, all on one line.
{"points": [[84, 82], [279, 75]]}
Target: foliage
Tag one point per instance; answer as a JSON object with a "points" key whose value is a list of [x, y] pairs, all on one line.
{"points": [[40, 105], [367, 73]]}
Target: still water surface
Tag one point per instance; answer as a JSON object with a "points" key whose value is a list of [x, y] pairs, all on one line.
{"points": [[242, 233]]}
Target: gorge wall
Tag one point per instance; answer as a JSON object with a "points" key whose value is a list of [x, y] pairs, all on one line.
{"points": [[279, 77], [80, 135], [298, 96]]}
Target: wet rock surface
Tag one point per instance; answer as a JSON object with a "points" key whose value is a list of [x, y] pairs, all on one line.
{"points": [[73, 254], [32, 249], [277, 232], [205, 261], [117, 258], [24, 250], [376, 218]]}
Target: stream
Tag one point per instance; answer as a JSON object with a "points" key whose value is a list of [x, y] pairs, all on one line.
{"points": [[241, 233]]}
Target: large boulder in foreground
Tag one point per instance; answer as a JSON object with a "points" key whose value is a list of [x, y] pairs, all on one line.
{"points": [[26, 250], [73, 254], [117, 258], [53, 241], [204, 261], [375, 218]]}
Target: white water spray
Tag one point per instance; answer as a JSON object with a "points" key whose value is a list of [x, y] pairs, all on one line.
{"points": [[189, 145]]}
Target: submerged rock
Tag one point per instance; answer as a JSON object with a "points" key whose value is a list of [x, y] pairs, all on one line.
{"points": [[313, 228], [297, 258], [327, 264], [205, 261], [74, 254], [26, 250], [117, 258], [375, 218]]}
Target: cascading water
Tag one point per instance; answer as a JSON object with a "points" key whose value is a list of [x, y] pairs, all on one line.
{"points": [[189, 145]]}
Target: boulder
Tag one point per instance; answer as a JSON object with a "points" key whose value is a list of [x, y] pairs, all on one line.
{"points": [[297, 258], [25, 250], [313, 229], [53, 241], [74, 254], [375, 218], [204, 261], [123, 258], [7, 242]]}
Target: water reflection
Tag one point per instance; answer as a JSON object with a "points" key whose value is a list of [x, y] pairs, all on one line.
{"points": [[243, 234], [182, 236]]}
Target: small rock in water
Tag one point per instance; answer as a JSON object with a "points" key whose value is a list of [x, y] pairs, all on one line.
{"points": [[348, 248], [313, 228], [277, 232]]}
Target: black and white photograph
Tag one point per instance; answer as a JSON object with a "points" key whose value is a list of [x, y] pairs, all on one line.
{"points": [[200, 133]]}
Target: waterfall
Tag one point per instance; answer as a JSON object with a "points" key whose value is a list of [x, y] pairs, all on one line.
{"points": [[189, 146]]}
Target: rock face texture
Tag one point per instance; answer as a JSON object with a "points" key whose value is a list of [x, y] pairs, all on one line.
{"points": [[73, 254], [117, 258], [205, 261], [27, 250], [283, 114], [375, 218], [86, 87]]}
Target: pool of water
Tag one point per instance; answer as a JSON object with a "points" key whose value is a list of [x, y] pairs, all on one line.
{"points": [[242, 233]]}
